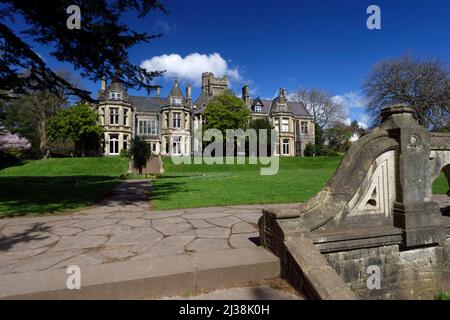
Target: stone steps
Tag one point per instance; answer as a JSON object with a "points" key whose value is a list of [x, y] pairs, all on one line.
{"points": [[180, 275]]}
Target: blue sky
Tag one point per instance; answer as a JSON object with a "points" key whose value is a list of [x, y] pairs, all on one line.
{"points": [[273, 44]]}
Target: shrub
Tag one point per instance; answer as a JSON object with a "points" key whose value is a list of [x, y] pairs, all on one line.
{"points": [[443, 296], [327, 152], [124, 153], [140, 153], [310, 150]]}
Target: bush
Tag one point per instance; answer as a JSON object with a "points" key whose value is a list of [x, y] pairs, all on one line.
{"points": [[310, 150], [443, 296], [124, 153], [10, 157], [140, 153], [327, 152]]}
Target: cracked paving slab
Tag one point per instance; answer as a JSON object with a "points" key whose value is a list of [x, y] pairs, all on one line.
{"points": [[122, 228]]}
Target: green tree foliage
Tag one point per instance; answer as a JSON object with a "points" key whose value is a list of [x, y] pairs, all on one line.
{"points": [[28, 117], [226, 112], [263, 124], [140, 153], [338, 136], [319, 139], [310, 150], [23, 70], [78, 123]]}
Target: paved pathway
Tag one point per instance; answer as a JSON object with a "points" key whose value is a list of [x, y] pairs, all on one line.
{"points": [[122, 228]]}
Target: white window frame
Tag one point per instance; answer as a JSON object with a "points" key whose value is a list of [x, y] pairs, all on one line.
{"points": [[286, 147], [285, 125], [114, 116], [125, 117], [176, 145], [304, 129], [258, 109], [115, 95], [282, 106], [276, 151], [147, 127], [176, 101], [276, 124], [114, 144], [176, 123]]}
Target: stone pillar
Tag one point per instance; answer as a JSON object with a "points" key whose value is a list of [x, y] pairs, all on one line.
{"points": [[417, 215], [170, 116], [106, 145], [187, 121], [120, 142], [107, 115], [188, 145], [121, 115], [163, 150]]}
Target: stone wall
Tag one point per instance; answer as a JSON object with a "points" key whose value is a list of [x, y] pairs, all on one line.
{"points": [[413, 274], [154, 166]]}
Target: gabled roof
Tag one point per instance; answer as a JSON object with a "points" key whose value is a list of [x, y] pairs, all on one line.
{"points": [[297, 108], [201, 102], [265, 105], [114, 86], [147, 104], [175, 91], [280, 101]]}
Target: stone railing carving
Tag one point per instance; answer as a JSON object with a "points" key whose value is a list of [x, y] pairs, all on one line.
{"points": [[381, 193]]}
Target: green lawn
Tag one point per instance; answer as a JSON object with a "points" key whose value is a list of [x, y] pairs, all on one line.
{"points": [[50, 185], [185, 186], [298, 179], [440, 185]]}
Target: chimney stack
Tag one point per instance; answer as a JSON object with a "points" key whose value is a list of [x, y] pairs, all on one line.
{"points": [[283, 92], [246, 94], [158, 91], [189, 95], [188, 92], [103, 84]]}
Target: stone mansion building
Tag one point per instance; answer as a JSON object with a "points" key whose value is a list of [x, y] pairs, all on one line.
{"points": [[166, 123]]}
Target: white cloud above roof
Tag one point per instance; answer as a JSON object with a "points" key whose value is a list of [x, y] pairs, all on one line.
{"points": [[191, 67], [350, 100]]}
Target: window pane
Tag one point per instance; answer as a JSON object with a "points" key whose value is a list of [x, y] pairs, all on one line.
{"points": [[114, 116]]}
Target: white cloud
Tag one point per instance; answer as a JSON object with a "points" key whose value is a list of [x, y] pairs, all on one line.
{"points": [[191, 67], [363, 120], [351, 100]]}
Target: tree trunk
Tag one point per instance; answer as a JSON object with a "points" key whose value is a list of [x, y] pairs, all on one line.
{"points": [[43, 139]]}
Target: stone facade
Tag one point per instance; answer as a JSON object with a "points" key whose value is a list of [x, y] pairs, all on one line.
{"points": [[413, 274], [377, 211], [167, 123]]}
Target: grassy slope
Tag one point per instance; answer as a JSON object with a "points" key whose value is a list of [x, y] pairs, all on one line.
{"points": [[212, 185], [57, 184], [440, 185]]}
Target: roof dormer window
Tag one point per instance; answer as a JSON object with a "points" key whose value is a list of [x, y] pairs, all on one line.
{"points": [[258, 109], [176, 101], [282, 107], [115, 95]]}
